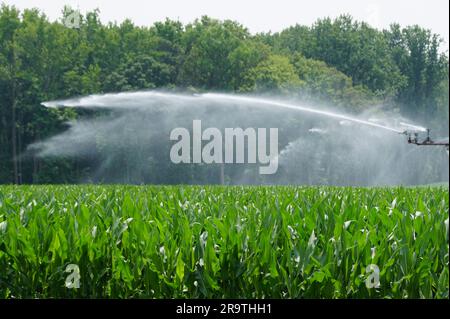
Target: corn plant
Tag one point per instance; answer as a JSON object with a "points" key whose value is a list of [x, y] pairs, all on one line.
{"points": [[224, 242]]}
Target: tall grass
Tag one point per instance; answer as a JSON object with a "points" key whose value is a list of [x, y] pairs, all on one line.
{"points": [[223, 242]]}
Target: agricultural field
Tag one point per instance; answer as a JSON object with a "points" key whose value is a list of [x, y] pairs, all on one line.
{"points": [[223, 242]]}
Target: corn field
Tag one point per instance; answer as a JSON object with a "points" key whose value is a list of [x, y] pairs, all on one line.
{"points": [[223, 242]]}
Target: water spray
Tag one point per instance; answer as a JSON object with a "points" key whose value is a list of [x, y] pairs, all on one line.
{"points": [[347, 153]]}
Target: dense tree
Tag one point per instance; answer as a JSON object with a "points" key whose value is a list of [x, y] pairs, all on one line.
{"points": [[327, 84], [341, 62], [416, 52], [247, 56], [274, 73], [208, 44], [353, 48], [9, 24]]}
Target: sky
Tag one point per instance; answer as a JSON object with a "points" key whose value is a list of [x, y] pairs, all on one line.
{"points": [[260, 15]]}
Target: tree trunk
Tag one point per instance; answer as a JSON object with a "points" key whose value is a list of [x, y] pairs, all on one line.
{"points": [[19, 140], [222, 174], [14, 130], [13, 74], [4, 150], [35, 170]]}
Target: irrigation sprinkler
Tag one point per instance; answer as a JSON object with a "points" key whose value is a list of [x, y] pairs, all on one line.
{"points": [[413, 138]]}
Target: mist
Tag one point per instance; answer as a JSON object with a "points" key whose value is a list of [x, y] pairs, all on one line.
{"points": [[128, 141]]}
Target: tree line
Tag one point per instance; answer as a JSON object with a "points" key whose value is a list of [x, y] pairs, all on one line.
{"points": [[340, 61]]}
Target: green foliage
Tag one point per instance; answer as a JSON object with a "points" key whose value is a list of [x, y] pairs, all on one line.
{"points": [[340, 62], [354, 48], [274, 73], [325, 83], [415, 51], [139, 72], [208, 45], [247, 56], [223, 242]]}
